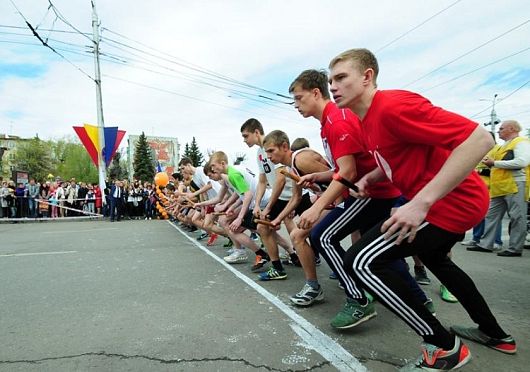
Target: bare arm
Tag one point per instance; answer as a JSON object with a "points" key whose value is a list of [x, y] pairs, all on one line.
{"points": [[260, 190], [348, 170], [457, 167]]}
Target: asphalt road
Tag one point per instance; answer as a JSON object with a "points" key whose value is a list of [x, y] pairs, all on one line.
{"points": [[143, 296]]}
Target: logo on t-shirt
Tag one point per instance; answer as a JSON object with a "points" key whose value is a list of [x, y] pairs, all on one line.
{"points": [[327, 151], [265, 163], [383, 164]]}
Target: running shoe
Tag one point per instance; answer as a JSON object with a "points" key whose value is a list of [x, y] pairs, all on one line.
{"points": [[430, 306], [353, 314], [307, 296], [504, 345], [272, 274], [420, 274], [434, 358], [333, 275], [204, 235], [318, 261], [446, 295], [213, 238], [237, 256], [470, 243], [259, 264], [295, 262]]}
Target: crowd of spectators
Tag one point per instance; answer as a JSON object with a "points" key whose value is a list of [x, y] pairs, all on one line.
{"points": [[57, 199]]}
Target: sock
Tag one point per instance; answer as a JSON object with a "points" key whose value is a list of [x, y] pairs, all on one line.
{"points": [[277, 265], [263, 254], [445, 341], [361, 301], [313, 283]]}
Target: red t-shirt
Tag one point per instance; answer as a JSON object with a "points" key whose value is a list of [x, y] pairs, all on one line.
{"points": [[411, 139], [341, 136]]}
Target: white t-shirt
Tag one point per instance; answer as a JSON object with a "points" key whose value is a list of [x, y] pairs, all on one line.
{"points": [[268, 168], [201, 180]]}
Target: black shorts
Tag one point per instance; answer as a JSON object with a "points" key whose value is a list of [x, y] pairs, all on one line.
{"points": [[304, 204], [248, 221], [279, 206]]}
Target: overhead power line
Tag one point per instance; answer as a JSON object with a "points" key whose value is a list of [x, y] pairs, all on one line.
{"points": [[502, 99], [178, 94], [44, 43], [416, 27], [192, 66], [477, 69], [62, 18], [44, 29], [196, 79], [468, 52]]}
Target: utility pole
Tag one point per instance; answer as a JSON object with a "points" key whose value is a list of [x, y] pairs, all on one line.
{"points": [[494, 119], [101, 123]]}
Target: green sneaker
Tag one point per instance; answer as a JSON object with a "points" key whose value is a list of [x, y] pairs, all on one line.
{"points": [[353, 314], [446, 295]]}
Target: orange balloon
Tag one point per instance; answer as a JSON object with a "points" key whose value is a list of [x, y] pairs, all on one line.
{"points": [[161, 179]]}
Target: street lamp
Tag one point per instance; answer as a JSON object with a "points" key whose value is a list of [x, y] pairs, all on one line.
{"points": [[493, 115]]}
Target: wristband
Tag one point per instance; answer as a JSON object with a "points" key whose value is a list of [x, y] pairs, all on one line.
{"points": [[345, 182]]}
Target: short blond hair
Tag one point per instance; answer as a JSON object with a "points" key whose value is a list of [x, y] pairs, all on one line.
{"points": [[276, 138], [361, 58], [218, 157]]}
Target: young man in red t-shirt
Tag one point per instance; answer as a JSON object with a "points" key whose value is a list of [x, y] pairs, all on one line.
{"points": [[429, 154], [341, 137]]}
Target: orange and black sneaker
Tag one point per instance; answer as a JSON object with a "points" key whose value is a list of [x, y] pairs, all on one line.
{"points": [[259, 264], [504, 345], [434, 358]]}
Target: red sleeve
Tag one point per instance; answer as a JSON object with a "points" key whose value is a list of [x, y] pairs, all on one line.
{"points": [[344, 137], [417, 120]]}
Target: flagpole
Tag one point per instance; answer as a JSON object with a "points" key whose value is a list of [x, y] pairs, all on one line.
{"points": [[99, 102], [101, 123]]}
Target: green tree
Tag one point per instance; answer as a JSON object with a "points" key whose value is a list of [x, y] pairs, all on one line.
{"points": [[117, 168], [186, 150], [73, 161], [34, 157], [143, 163], [193, 153]]}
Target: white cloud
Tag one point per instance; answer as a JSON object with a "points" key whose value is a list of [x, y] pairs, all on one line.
{"points": [[264, 43]]}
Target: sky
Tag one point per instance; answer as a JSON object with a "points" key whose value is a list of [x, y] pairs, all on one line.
{"points": [[162, 60]]}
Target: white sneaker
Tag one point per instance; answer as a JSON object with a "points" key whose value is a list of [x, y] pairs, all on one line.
{"points": [[470, 243], [238, 256], [497, 247]]}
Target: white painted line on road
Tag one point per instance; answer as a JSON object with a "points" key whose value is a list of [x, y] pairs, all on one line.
{"points": [[314, 338], [35, 254], [79, 231]]}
